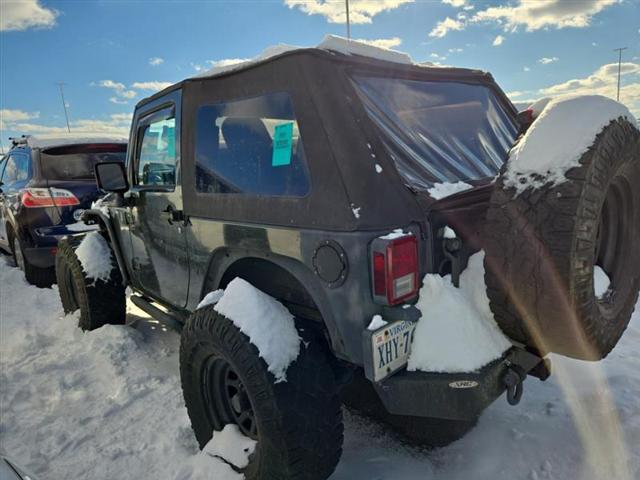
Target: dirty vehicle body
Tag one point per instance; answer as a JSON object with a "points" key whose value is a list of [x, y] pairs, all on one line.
{"points": [[46, 183], [290, 173]]}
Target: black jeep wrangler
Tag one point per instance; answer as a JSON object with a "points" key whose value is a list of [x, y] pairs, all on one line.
{"points": [[290, 173]]}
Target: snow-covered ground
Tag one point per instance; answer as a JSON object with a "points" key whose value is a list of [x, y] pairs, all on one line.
{"points": [[107, 405]]}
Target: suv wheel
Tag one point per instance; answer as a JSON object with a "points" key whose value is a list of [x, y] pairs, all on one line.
{"points": [[543, 245], [100, 303], [40, 277], [297, 423]]}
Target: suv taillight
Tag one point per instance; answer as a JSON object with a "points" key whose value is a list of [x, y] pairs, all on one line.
{"points": [[48, 197], [394, 269]]}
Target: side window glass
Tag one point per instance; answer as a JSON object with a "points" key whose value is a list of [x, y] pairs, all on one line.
{"points": [[156, 152], [22, 167], [10, 174], [251, 146]]}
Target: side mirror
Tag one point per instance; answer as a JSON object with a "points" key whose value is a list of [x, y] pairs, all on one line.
{"points": [[111, 177]]}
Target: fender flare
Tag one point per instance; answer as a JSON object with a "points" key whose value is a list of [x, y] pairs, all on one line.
{"points": [[221, 259], [102, 219]]}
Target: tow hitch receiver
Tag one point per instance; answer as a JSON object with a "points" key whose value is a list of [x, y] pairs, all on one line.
{"points": [[514, 381]]}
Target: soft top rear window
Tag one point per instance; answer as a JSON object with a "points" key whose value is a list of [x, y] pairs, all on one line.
{"points": [[77, 162], [439, 131]]}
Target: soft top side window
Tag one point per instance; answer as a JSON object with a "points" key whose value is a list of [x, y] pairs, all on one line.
{"points": [[155, 157], [251, 146]]}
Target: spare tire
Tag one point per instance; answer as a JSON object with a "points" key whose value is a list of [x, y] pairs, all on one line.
{"points": [[543, 244]]}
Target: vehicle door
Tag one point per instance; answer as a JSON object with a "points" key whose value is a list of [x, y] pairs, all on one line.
{"points": [[160, 263], [14, 178], [3, 228]]}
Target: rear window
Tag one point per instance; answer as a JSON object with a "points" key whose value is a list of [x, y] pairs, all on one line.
{"points": [[77, 162], [439, 131]]}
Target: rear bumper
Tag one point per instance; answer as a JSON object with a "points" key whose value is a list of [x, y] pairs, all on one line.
{"points": [[42, 257], [44, 241], [453, 396]]}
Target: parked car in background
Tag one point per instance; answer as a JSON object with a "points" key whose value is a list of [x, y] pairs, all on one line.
{"points": [[46, 182]]}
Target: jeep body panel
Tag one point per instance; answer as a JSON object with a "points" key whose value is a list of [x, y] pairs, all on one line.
{"points": [[356, 194]]}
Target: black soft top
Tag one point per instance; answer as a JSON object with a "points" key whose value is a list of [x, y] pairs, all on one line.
{"points": [[347, 193]]}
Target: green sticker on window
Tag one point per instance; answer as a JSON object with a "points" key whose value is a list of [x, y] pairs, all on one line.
{"points": [[282, 144]]}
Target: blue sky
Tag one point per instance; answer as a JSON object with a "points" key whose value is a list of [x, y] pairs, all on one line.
{"points": [[110, 53]]}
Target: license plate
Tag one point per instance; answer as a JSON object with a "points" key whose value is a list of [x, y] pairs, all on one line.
{"points": [[391, 346]]}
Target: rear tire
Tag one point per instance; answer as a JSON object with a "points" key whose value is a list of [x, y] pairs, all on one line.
{"points": [[542, 247], [297, 423], [100, 303], [40, 277]]}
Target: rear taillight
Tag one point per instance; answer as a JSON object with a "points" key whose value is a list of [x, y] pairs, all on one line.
{"points": [[48, 197], [394, 269]]}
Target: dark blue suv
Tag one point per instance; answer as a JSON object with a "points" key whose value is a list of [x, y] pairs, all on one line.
{"points": [[45, 185]]}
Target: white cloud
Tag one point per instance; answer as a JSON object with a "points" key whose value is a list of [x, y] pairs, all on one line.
{"points": [[499, 40], [155, 61], [526, 69], [387, 43], [455, 3], [118, 101], [155, 86], [8, 115], [24, 14], [603, 81], [456, 50], [445, 26], [435, 56], [119, 89], [534, 15], [360, 11], [118, 123], [548, 60]]}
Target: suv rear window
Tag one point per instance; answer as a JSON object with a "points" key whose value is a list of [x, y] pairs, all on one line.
{"points": [[251, 146], [76, 162], [439, 131]]}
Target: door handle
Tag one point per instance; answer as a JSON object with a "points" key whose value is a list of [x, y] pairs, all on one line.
{"points": [[172, 214]]}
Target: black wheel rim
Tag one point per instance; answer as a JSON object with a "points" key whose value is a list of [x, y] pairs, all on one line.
{"points": [[613, 242], [226, 398]]}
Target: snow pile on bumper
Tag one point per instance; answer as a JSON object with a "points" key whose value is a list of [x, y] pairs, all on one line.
{"points": [[457, 331]]}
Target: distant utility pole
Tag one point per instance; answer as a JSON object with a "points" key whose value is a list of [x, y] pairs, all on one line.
{"points": [[64, 104], [619, 50], [348, 21]]}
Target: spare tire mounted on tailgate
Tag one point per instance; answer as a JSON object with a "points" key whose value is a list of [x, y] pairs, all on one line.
{"points": [[544, 242]]}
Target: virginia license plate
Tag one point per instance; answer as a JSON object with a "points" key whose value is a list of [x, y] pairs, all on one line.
{"points": [[391, 346]]}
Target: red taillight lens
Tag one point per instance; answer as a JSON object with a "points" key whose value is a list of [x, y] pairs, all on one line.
{"points": [[395, 269], [48, 197], [379, 274]]}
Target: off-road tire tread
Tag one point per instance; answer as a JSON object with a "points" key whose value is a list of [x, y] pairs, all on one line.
{"points": [[100, 303], [560, 223], [300, 420]]}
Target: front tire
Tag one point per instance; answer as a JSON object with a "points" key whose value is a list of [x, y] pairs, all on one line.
{"points": [[100, 303], [297, 423]]}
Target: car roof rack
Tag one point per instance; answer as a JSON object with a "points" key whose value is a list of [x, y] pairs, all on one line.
{"points": [[22, 140]]}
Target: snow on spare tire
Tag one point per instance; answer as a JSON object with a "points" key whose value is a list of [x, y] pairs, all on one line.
{"points": [[566, 210]]}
